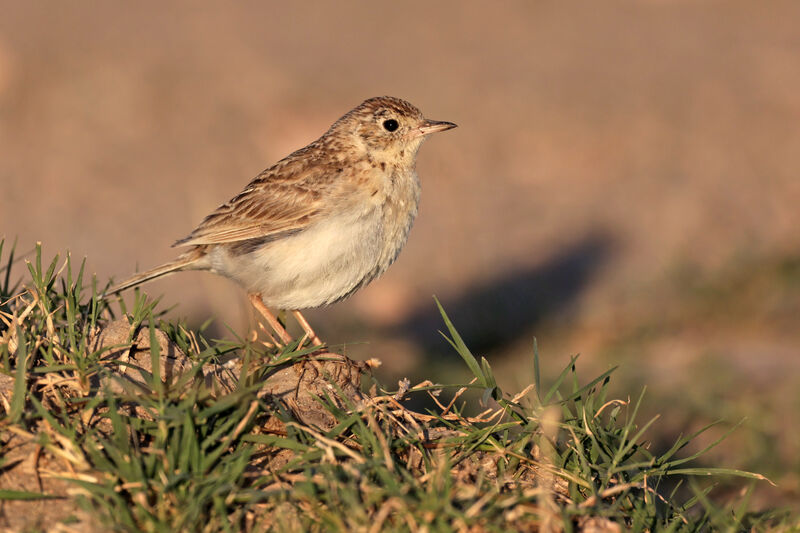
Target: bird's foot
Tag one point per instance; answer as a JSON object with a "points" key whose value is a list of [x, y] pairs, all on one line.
{"points": [[308, 332], [283, 337]]}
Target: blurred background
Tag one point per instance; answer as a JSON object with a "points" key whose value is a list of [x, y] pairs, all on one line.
{"points": [[624, 182]]}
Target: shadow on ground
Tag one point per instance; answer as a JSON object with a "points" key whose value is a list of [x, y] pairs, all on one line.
{"points": [[493, 315]]}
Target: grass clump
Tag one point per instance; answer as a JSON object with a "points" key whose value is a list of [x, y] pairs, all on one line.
{"points": [[122, 440]]}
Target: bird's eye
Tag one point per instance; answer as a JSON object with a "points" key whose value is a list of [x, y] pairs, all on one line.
{"points": [[391, 124]]}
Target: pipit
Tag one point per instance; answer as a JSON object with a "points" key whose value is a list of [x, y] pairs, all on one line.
{"points": [[320, 223]]}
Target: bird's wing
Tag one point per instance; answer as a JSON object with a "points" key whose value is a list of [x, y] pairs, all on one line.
{"points": [[280, 199]]}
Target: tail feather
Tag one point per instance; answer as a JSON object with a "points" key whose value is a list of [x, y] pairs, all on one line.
{"points": [[181, 263]]}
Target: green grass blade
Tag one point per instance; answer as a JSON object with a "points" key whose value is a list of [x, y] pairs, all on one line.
{"points": [[457, 342], [24, 495], [20, 384], [719, 472]]}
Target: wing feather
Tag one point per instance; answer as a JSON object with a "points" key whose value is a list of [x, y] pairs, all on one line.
{"points": [[281, 199]]}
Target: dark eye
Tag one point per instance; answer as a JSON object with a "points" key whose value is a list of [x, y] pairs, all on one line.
{"points": [[390, 124]]}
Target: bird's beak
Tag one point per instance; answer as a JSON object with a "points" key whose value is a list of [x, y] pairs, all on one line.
{"points": [[432, 126]]}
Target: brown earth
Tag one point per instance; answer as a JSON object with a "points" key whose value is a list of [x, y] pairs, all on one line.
{"points": [[624, 180]]}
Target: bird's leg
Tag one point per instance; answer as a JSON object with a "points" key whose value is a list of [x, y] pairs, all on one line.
{"points": [[272, 342], [307, 328], [255, 299]]}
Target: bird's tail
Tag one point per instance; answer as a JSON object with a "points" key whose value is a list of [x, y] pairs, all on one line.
{"points": [[181, 263]]}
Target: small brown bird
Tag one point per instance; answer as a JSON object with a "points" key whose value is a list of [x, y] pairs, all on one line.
{"points": [[320, 223]]}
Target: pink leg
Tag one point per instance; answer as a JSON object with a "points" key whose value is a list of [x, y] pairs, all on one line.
{"points": [[307, 328], [255, 299]]}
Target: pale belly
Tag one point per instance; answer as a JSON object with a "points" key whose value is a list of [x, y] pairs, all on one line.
{"points": [[314, 267]]}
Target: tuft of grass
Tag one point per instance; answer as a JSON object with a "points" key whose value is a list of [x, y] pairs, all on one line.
{"points": [[179, 455]]}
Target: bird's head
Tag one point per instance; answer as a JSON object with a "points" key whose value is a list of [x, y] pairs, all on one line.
{"points": [[388, 129]]}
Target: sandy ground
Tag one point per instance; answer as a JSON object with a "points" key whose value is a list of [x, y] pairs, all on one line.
{"points": [[605, 155]]}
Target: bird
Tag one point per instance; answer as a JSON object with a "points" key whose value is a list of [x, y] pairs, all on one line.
{"points": [[322, 222]]}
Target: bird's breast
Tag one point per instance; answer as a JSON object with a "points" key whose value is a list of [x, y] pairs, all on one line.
{"points": [[399, 209]]}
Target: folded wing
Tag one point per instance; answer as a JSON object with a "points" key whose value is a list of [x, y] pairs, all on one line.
{"points": [[269, 205]]}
